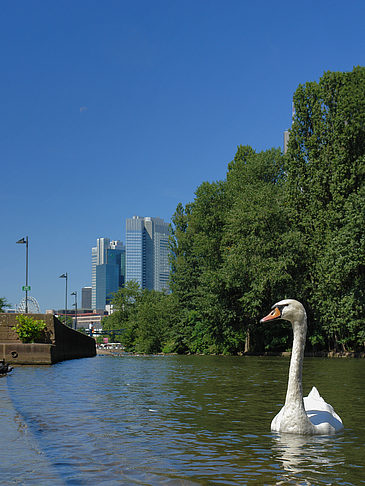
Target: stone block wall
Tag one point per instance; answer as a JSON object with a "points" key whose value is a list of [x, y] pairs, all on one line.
{"points": [[59, 342]]}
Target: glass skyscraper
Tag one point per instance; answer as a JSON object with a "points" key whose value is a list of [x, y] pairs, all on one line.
{"points": [[108, 271], [147, 252]]}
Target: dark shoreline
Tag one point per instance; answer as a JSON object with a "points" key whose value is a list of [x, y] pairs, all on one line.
{"points": [[284, 354]]}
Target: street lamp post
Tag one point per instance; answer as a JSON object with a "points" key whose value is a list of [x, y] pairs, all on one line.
{"points": [[65, 276], [75, 304], [25, 241]]}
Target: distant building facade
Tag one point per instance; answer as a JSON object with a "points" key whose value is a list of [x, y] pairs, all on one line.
{"points": [[147, 252], [287, 132], [85, 317], [108, 271], [286, 141], [86, 293]]}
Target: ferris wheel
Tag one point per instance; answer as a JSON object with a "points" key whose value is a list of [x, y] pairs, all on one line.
{"points": [[33, 306]]}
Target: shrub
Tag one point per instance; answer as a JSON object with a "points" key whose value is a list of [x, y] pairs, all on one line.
{"points": [[28, 329]]}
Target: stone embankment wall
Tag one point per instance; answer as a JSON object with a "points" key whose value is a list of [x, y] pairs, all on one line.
{"points": [[59, 342]]}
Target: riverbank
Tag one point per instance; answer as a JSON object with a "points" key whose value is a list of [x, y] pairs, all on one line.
{"points": [[284, 354], [104, 351]]}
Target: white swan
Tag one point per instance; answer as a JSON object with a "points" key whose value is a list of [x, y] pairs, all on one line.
{"points": [[310, 415]]}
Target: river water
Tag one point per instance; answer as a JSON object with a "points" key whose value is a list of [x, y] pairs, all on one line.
{"points": [[175, 420]]}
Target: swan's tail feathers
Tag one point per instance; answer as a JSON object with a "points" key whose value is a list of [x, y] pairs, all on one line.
{"points": [[314, 394], [314, 403]]}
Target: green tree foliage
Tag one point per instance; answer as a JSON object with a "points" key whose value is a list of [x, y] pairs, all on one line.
{"points": [[123, 317], [195, 281], [229, 254], [280, 226], [145, 316], [154, 316], [259, 262], [325, 185]]}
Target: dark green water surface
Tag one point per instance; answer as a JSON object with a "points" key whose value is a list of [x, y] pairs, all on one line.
{"points": [[175, 420]]}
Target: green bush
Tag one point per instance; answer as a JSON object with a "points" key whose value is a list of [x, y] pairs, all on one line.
{"points": [[28, 329]]}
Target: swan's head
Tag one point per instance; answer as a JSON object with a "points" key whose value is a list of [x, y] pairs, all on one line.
{"points": [[288, 309]]}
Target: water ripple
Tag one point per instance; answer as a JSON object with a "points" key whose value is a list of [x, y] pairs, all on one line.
{"points": [[175, 420]]}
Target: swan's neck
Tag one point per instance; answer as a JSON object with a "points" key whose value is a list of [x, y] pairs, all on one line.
{"points": [[294, 394]]}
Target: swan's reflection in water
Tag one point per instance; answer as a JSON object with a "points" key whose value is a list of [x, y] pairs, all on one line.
{"points": [[307, 458]]}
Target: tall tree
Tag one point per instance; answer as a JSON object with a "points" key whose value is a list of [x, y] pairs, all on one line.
{"points": [[197, 235], [123, 318], [233, 252], [259, 247], [155, 318], [325, 180], [146, 317]]}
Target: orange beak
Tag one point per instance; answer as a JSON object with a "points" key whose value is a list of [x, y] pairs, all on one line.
{"points": [[274, 314]]}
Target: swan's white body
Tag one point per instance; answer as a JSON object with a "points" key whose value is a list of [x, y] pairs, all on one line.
{"points": [[310, 415]]}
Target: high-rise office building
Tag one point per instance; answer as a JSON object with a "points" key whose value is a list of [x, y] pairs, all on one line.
{"points": [[147, 252], [86, 297], [286, 141], [108, 271], [287, 132]]}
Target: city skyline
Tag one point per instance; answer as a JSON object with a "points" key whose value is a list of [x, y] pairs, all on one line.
{"points": [[153, 233], [144, 258], [126, 108]]}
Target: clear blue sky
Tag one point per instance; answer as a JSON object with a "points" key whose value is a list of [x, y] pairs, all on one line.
{"points": [[119, 108]]}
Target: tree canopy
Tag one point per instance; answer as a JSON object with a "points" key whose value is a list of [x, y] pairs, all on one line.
{"points": [[278, 226], [326, 193]]}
